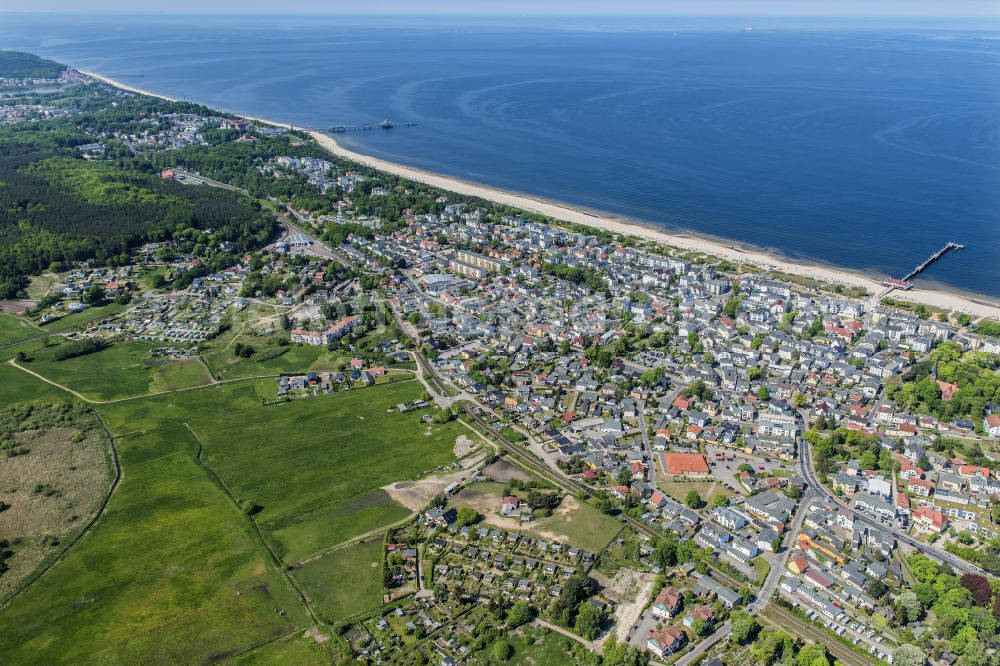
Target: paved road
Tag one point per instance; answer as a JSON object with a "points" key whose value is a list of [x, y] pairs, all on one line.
{"points": [[778, 565], [809, 474], [704, 645]]}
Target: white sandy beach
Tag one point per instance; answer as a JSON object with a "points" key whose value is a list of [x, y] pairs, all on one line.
{"points": [[978, 307]]}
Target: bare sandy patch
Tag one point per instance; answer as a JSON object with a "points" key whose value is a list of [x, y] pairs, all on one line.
{"points": [[503, 472], [415, 495], [17, 307], [315, 634], [463, 446], [630, 590], [488, 504]]}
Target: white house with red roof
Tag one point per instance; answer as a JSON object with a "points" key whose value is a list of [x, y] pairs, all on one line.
{"points": [[919, 487], [930, 519]]}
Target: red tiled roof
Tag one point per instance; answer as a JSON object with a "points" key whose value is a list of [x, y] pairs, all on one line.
{"points": [[685, 463]]}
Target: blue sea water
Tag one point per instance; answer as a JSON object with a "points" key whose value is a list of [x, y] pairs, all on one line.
{"points": [[861, 146]]}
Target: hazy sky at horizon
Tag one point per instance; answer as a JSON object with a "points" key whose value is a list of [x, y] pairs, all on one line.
{"points": [[811, 8]]}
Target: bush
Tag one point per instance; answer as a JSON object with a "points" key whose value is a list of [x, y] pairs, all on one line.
{"points": [[242, 350], [79, 348], [270, 353], [466, 516]]}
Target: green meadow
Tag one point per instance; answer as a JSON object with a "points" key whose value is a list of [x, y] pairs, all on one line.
{"points": [[336, 523], [121, 370], [175, 554], [344, 582], [18, 386], [14, 328], [296, 359], [335, 447], [171, 558], [297, 649]]}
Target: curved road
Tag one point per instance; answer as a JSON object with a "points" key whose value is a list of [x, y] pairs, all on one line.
{"points": [[957, 563]]}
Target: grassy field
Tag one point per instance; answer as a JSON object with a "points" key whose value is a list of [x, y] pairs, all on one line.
{"points": [[295, 649], [344, 582], [335, 447], [172, 558], [119, 371], [71, 320], [679, 489], [583, 525], [40, 285], [574, 522], [621, 555], [298, 358], [18, 386], [337, 523], [14, 328], [532, 647]]}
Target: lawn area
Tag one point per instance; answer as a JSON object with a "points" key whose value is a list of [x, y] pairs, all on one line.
{"points": [[679, 489], [532, 647], [119, 371], [761, 567], [338, 522], [14, 328], [302, 459], [344, 582], [171, 559]]}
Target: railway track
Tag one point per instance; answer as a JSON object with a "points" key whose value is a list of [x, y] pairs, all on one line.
{"points": [[561, 481], [785, 621]]}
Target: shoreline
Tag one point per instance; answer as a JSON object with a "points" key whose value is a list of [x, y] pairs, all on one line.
{"points": [[759, 259]]}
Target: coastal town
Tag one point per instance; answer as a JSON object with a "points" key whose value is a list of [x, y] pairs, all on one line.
{"points": [[677, 457]]}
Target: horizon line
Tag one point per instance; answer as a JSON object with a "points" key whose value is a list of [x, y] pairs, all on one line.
{"points": [[992, 14]]}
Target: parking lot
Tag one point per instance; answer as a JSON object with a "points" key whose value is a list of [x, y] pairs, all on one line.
{"points": [[727, 469], [855, 632]]}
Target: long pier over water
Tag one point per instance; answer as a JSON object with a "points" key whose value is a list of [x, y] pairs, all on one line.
{"points": [[385, 124], [904, 283]]}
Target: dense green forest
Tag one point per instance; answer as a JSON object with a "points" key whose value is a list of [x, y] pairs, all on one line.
{"points": [[66, 209], [973, 372], [57, 207], [17, 65]]}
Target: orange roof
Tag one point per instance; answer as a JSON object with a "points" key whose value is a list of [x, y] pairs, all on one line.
{"points": [[685, 463], [669, 597]]}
